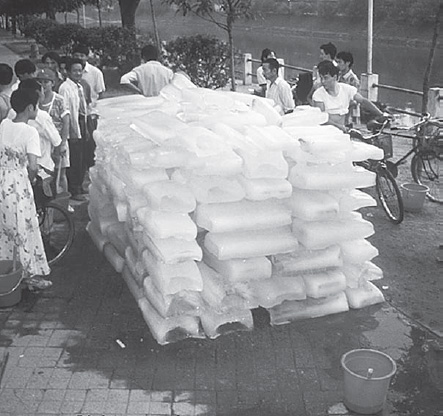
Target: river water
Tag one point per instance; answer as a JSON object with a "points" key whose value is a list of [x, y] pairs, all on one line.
{"points": [[398, 63]]}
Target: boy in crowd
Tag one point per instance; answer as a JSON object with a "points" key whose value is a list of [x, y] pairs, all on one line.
{"points": [[24, 69], [6, 75]]}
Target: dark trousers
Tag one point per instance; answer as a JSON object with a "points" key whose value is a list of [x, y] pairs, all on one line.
{"points": [[91, 125], [76, 171]]}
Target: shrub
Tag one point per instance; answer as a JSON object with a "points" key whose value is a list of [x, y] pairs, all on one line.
{"points": [[63, 36], [37, 29], [204, 58]]}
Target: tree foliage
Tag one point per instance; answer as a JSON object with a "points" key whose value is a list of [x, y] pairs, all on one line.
{"points": [[205, 59], [30, 7], [223, 13]]}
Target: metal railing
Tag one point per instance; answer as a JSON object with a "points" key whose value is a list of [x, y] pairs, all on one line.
{"points": [[399, 89]]}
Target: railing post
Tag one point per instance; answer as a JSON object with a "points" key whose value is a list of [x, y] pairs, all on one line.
{"points": [[367, 88], [435, 96], [281, 71], [247, 73]]}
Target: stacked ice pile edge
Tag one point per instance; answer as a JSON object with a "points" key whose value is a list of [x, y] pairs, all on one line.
{"points": [[211, 204]]}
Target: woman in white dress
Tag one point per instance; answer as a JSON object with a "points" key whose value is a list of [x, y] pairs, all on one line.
{"points": [[19, 150]]}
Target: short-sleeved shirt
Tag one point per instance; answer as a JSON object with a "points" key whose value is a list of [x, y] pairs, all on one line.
{"points": [[94, 77], [5, 106], [350, 78], [151, 77], [280, 91], [338, 104]]}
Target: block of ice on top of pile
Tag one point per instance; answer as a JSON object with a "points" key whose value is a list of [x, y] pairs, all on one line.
{"points": [[254, 243], [316, 235], [240, 270], [161, 224], [210, 189], [157, 126], [260, 189], [264, 164], [312, 205], [169, 196], [303, 260], [241, 216], [268, 110], [351, 200], [172, 278], [305, 115], [324, 177]]}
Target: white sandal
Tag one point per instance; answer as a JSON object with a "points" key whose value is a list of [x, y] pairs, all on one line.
{"points": [[37, 283]]}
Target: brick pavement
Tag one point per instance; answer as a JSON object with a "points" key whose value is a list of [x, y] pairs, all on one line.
{"points": [[60, 355]]}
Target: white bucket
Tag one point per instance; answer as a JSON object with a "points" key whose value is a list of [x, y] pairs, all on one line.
{"points": [[413, 196]]}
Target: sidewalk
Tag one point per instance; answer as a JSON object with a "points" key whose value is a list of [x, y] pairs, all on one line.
{"points": [[83, 348]]}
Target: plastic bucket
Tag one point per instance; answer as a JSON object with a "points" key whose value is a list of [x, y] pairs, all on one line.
{"points": [[413, 196], [367, 374], [10, 284]]}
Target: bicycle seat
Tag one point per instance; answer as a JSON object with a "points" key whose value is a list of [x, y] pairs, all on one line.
{"points": [[374, 125]]}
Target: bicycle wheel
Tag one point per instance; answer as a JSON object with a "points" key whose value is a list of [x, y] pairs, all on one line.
{"points": [[427, 169], [57, 230], [389, 195]]}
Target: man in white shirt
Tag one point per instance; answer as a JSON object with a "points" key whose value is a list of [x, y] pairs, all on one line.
{"points": [[278, 89], [149, 77]]}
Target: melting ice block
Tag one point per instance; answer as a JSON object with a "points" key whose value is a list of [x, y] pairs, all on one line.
{"points": [[310, 308], [316, 235], [135, 266], [117, 237], [364, 151], [311, 205], [357, 251], [273, 291], [172, 278], [133, 286], [305, 115], [266, 109], [171, 329], [356, 274], [330, 177], [215, 324], [160, 224], [113, 257], [242, 216], [365, 295], [353, 200], [173, 250], [210, 189], [264, 164], [185, 302], [240, 270], [169, 196], [218, 294], [323, 284], [255, 243], [223, 164], [265, 188], [96, 236], [302, 260]]}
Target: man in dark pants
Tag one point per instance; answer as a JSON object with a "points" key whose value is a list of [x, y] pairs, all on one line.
{"points": [[75, 100]]}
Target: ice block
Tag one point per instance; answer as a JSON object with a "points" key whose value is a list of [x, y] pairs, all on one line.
{"points": [[173, 250], [113, 257], [264, 164], [273, 291], [216, 324], [365, 295], [172, 278], [265, 188], [256, 243], [169, 196], [353, 200], [315, 235], [241, 216], [97, 237], [324, 284], [357, 251], [266, 109], [311, 205], [310, 308]]}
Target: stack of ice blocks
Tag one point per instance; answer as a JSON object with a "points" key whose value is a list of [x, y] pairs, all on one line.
{"points": [[211, 204]]}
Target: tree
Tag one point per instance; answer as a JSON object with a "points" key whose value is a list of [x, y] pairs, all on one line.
{"points": [[127, 12], [223, 13]]}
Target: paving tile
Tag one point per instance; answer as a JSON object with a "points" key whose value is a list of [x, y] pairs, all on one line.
{"points": [[183, 409], [40, 378], [160, 408], [118, 396], [59, 379], [99, 381], [49, 352], [165, 396], [79, 380], [37, 362], [184, 396], [97, 395], [115, 407], [138, 407], [75, 395], [137, 395], [95, 407], [54, 395], [50, 407], [71, 407], [17, 378]]}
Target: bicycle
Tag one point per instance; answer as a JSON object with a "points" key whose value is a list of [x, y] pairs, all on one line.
{"points": [[427, 147], [386, 187], [56, 226]]}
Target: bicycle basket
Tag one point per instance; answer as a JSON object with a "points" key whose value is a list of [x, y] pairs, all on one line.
{"points": [[384, 141]]}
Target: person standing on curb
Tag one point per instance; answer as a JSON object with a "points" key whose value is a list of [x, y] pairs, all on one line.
{"points": [[6, 75], [149, 77]]}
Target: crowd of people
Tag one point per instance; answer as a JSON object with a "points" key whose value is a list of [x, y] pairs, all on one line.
{"points": [[333, 86], [47, 120], [49, 114]]}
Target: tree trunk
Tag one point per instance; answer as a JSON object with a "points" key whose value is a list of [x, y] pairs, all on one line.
{"points": [[424, 106], [99, 10], [127, 12], [154, 23], [231, 52]]}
